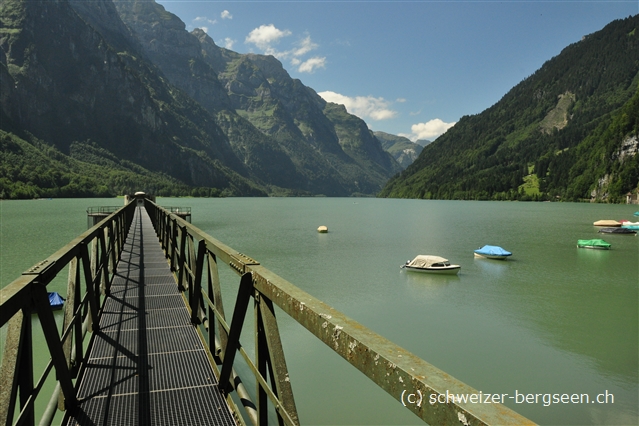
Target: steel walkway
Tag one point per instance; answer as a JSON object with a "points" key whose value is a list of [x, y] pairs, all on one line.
{"points": [[147, 364]]}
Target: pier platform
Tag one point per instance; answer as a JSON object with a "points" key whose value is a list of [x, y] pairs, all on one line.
{"points": [[147, 364]]}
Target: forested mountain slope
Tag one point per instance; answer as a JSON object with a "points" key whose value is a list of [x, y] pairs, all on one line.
{"points": [[133, 84], [568, 132]]}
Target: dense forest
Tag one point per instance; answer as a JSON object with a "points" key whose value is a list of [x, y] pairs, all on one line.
{"points": [[568, 132], [34, 169], [106, 95]]}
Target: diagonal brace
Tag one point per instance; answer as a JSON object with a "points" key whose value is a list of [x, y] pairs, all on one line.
{"points": [[239, 313]]}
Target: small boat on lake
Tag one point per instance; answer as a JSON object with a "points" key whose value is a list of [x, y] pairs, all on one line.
{"points": [[630, 225], [607, 223], [620, 231], [431, 264], [492, 252], [56, 301], [596, 244]]}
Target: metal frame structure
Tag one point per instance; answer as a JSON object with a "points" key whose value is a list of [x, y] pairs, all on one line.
{"points": [[195, 258], [91, 259]]}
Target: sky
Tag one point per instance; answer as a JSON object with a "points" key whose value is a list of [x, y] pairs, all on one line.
{"points": [[409, 68]]}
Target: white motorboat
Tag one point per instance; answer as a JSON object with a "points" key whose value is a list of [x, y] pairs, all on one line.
{"points": [[431, 265]]}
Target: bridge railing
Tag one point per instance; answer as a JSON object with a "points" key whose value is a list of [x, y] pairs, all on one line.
{"points": [[91, 260], [196, 257]]}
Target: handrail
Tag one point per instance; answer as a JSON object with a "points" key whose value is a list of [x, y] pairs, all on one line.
{"points": [[195, 258], [102, 210], [91, 258]]}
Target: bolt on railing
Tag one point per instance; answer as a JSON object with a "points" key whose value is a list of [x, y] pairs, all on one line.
{"points": [[195, 258]]}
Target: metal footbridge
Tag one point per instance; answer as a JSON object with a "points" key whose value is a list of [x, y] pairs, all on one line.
{"points": [[145, 339]]}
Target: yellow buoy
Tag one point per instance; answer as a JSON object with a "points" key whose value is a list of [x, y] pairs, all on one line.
{"points": [[322, 229]]}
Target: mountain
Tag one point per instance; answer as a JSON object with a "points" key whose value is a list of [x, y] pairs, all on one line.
{"points": [[567, 132], [34, 169], [402, 149], [126, 79]]}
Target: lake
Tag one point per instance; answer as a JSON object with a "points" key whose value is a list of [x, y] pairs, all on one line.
{"points": [[553, 319]]}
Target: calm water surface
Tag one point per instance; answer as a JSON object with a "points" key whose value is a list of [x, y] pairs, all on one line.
{"points": [[552, 319]]}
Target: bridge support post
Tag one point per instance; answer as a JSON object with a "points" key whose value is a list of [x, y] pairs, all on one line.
{"points": [[270, 353], [17, 368], [41, 302], [241, 306], [69, 309], [197, 285]]}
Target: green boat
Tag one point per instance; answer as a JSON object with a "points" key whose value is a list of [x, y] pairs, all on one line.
{"points": [[594, 244]]}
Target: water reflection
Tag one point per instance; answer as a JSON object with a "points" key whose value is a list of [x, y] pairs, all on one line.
{"points": [[491, 267], [430, 282]]}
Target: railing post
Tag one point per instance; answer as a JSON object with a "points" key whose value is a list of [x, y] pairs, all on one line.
{"points": [[69, 309], [280, 381], [94, 264], [165, 232], [197, 284], [241, 305], [261, 357], [104, 265], [215, 294], [41, 302], [112, 248], [182, 258], [88, 279], [192, 258], [16, 372], [174, 237]]}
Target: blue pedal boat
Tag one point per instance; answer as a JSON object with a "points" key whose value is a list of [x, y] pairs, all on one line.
{"points": [[56, 301], [492, 252]]}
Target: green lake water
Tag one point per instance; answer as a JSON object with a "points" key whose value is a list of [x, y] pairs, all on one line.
{"points": [[553, 319]]}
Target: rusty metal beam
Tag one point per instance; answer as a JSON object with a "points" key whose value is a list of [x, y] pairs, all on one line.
{"points": [[233, 345], [9, 371], [391, 367], [279, 372]]}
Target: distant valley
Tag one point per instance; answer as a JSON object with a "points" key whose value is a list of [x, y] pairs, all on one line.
{"points": [[108, 97]]}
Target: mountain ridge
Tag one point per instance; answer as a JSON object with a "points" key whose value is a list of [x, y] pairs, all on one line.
{"points": [[530, 144], [128, 77]]}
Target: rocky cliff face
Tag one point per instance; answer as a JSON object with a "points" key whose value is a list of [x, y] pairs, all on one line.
{"points": [[128, 76], [289, 116], [70, 84], [402, 149]]}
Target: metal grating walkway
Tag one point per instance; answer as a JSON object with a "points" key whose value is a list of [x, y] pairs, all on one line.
{"points": [[147, 364]]}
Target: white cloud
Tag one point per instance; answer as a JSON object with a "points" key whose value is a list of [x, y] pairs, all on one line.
{"points": [[228, 43], [430, 130], [266, 35], [205, 29], [362, 106], [311, 64], [305, 46], [400, 100], [226, 14], [205, 20]]}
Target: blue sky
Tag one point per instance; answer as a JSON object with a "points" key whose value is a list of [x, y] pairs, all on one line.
{"points": [[411, 68]]}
